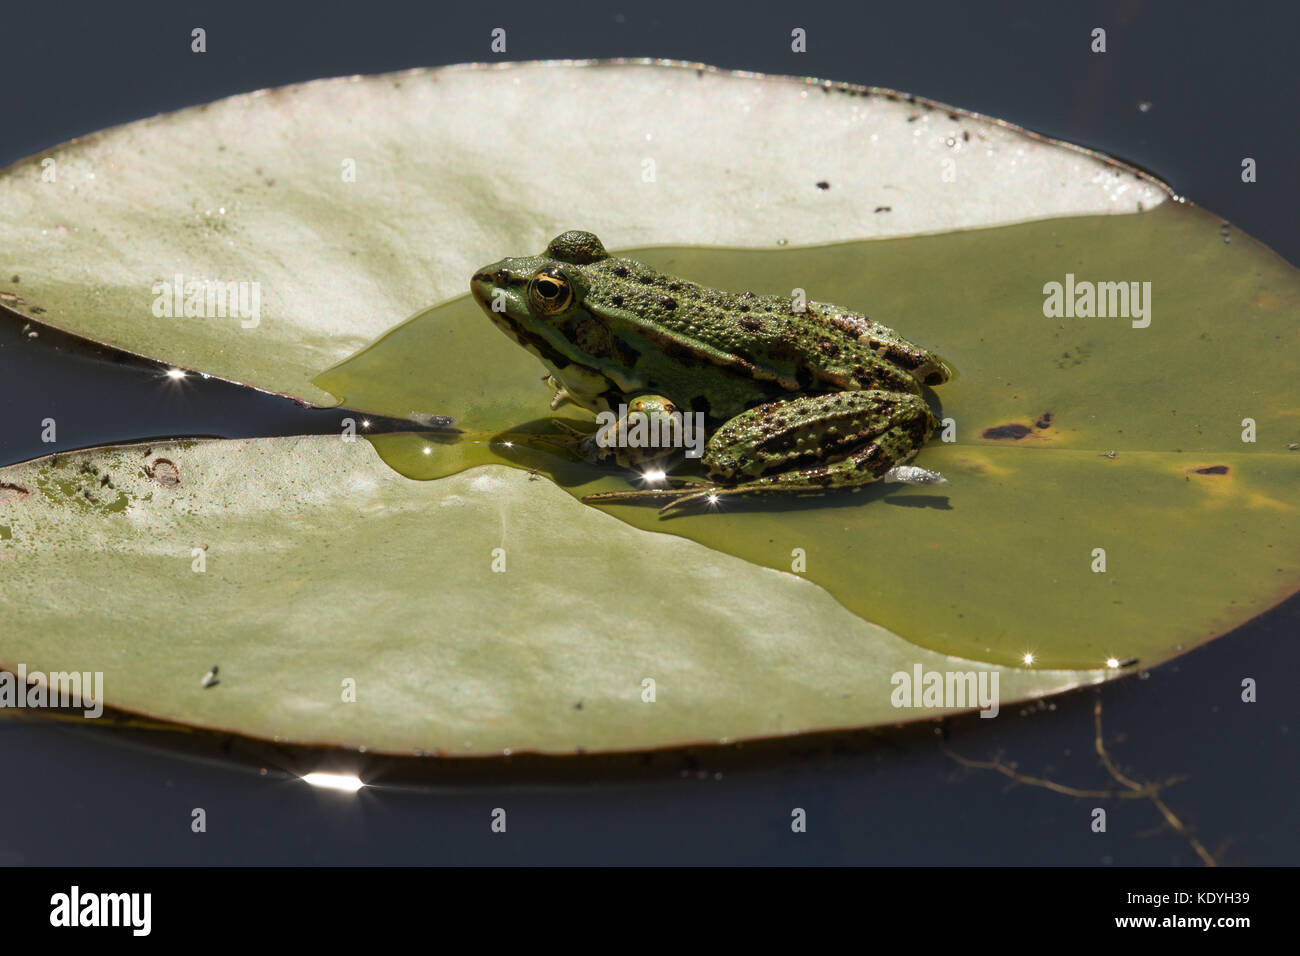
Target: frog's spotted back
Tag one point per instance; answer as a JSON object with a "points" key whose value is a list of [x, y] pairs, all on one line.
{"points": [[577, 247]]}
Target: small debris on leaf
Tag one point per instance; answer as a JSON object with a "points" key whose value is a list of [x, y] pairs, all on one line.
{"points": [[164, 472]]}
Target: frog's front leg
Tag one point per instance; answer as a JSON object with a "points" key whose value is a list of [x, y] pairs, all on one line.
{"points": [[561, 396], [805, 445], [646, 433]]}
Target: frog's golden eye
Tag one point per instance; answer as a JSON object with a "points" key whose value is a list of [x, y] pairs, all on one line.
{"points": [[549, 292]]}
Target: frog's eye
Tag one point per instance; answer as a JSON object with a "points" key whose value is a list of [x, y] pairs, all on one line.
{"points": [[549, 292]]}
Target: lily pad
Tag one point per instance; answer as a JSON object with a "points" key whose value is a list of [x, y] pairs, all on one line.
{"points": [[481, 613], [351, 204]]}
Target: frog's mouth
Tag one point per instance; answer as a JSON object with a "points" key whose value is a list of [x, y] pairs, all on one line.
{"points": [[485, 287], [482, 285]]}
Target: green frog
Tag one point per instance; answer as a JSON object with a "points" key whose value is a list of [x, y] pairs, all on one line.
{"points": [[798, 397]]}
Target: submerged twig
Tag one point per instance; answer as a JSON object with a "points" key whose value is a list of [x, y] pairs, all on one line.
{"points": [[1130, 788]]}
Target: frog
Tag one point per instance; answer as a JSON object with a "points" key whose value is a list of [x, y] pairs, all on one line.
{"points": [[798, 397]]}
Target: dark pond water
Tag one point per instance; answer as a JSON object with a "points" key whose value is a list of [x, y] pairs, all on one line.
{"points": [[1218, 88]]}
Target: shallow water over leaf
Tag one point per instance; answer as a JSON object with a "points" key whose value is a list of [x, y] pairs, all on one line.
{"points": [[1073, 436]]}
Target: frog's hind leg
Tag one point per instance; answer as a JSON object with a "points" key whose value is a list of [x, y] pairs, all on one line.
{"points": [[847, 473], [801, 440], [812, 444], [686, 488], [802, 446]]}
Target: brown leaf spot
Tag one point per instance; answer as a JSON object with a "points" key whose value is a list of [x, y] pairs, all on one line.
{"points": [[1211, 470], [1013, 432], [10, 493], [1045, 421]]}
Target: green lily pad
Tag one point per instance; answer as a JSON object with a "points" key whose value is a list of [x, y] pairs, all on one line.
{"points": [[476, 614], [323, 565]]}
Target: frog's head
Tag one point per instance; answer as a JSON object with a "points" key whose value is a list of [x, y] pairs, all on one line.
{"points": [[538, 300], [531, 292], [510, 276]]}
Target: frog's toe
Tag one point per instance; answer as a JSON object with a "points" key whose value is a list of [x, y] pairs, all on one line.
{"points": [[680, 504], [687, 489]]}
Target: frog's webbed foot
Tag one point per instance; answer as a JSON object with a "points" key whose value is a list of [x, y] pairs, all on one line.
{"points": [[686, 491], [693, 493], [696, 493], [912, 475]]}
